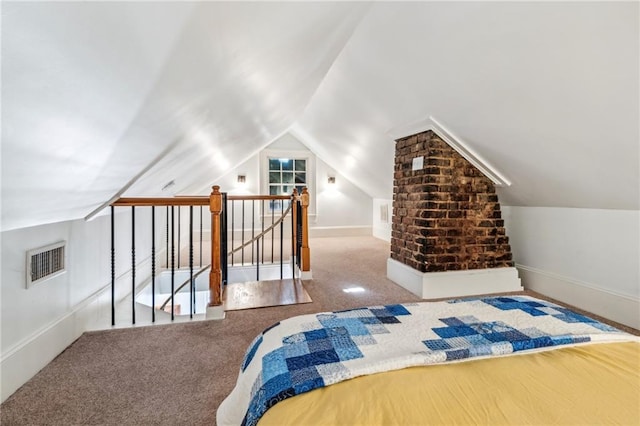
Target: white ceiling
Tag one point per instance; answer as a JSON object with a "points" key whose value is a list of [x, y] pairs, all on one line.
{"points": [[102, 99]]}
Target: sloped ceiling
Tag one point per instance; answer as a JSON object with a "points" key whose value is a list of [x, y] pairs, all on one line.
{"points": [[102, 99], [546, 92]]}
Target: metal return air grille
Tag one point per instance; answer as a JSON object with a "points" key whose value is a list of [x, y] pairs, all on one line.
{"points": [[45, 262]]}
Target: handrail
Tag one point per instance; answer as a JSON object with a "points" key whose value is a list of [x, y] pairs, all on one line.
{"points": [[257, 197], [257, 237], [181, 286], [159, 201], [188, 200]]}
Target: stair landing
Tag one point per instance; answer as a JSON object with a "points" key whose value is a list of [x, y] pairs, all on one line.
{"points": [[262, 294]]}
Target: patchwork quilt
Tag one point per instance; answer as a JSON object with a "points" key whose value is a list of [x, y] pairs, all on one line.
{"points": [[311, 351]]}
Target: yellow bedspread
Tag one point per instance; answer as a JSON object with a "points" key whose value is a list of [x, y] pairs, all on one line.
{"points": [[591, 384]]}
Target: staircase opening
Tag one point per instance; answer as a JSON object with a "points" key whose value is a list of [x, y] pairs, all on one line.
{"points": [[254, 249]]}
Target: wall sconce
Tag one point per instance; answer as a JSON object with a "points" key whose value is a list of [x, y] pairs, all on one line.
{"points": [[331, 180], [242, 179]]}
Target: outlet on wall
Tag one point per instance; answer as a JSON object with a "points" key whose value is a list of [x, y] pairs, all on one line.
{"points": [[418, 163]]}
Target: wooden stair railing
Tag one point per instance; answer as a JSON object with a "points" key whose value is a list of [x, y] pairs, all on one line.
{"points": [[153, 202], [262, 233], [215, 203], [298, 206], [183, 285]]}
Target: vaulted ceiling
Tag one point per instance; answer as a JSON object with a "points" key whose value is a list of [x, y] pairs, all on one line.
{"points": [[101, 99]]}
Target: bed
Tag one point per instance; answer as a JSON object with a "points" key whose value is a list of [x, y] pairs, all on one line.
{"points": [[490, 360]]}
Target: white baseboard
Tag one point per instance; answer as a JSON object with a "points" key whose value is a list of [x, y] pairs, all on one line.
{"points": [[433, 285], [21, 364], [23, 360], [340, 231], [405, 276], [314, 232], [606, 303], [382, 233]]}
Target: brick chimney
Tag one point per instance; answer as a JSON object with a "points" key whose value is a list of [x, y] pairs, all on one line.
{"points": [[446, 217]]}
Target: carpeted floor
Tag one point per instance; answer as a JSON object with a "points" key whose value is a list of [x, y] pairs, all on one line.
{"points": [[178, 374]]}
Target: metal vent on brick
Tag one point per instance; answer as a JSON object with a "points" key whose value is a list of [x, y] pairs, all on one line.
{"points": [[45, 262]]}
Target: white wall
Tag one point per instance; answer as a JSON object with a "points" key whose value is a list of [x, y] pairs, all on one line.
{"points": [[251, 170], [340, 209], [589, 258], [341, 204], [382, 228], [40, 322]]}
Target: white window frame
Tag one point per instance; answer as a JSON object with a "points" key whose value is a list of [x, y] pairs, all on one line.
{"points": [[294, 155]]}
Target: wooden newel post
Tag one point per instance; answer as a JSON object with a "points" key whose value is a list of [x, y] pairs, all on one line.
{"points": [[306, 254], [215, 276]]}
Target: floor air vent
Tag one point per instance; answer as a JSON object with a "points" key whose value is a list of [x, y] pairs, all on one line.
{"points": [[45, 262]]}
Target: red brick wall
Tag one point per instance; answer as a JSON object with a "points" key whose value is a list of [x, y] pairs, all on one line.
{"points": [[446, 216]]}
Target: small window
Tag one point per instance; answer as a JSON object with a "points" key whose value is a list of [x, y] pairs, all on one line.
{"points": [[45, 263], [285, 174], [282, 170]]}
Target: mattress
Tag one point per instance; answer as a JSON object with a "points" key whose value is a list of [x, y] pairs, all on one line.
{"points": [[476, 359], [593, 384]]}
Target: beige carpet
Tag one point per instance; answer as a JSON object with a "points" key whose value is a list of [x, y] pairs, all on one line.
{"points": [[178, 374]]}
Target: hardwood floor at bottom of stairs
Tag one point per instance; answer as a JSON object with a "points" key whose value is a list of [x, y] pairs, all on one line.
{"points": [[261, 294]]}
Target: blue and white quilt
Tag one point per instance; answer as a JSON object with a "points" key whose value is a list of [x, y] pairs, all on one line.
{"points": [[311, 351]]}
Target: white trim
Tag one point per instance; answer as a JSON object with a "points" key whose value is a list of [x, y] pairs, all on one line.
{"points": [[405, 276], [20, 362], [307, 155], [37, 334], [383, 234], [126, 276], [340, 231], [409, 129], [24, 362], [454, 142], [575, 281], [306, 275], [609, 304], [435, 285], [215, 313], [314, 232]]}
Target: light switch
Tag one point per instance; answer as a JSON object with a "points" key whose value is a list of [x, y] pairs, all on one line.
{"points": [[418, 163]]}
